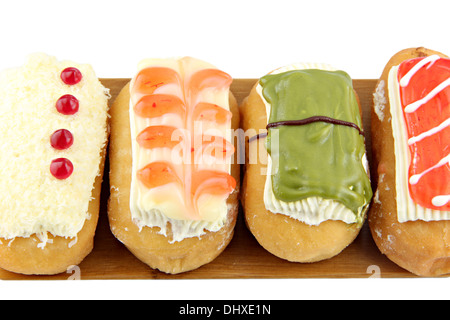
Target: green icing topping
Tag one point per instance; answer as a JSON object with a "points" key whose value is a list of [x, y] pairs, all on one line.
{"points": [[319, 158]]}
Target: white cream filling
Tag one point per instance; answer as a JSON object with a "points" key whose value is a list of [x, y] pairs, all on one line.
{"points": [[407, 209], [165, 205], [312, 210]]}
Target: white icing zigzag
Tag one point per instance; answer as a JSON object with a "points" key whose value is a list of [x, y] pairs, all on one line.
{"points": [[442, 199]]}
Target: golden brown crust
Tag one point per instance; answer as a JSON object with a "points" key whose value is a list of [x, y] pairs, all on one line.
{"points": [[148, 245], [279, 234], [22, 255], [420, 247]]}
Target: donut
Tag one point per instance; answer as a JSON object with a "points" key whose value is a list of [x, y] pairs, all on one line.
{"points": [[173, 176], [409, 218], [54, 133], [306, 187]]}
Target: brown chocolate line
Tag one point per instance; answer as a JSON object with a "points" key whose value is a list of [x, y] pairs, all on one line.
{"points": [[258, 136], [315, 119], [303, 122]]}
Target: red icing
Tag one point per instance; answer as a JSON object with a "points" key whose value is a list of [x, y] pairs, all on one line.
{"points": [[61, 139], [71, 76], [61, 168], [67, 105], [429, 151]]}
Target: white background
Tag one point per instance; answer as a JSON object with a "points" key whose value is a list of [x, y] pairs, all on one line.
{"points": [[247, 39]]}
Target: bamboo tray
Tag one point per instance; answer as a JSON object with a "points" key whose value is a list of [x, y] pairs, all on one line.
{"points": [[244, 258]]}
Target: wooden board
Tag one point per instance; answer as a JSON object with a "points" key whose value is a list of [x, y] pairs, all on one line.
{"points": [[244, 257]]}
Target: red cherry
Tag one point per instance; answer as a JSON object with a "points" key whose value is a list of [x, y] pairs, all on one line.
{"points": [[61, 168], [67, 105], [71, 76], [61, 139]]}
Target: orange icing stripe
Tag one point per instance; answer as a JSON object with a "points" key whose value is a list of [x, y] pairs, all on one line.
{"points": [[209, 78], [211, 112], [156, 105], [425, 101], [157, 174], [212, 182], [157, 137], [150, 79], [151, 104]]}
